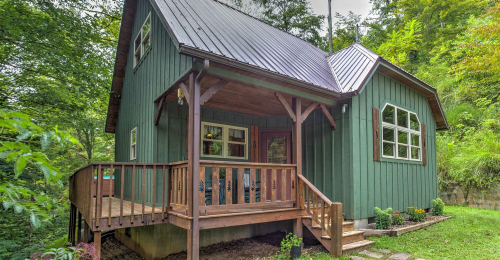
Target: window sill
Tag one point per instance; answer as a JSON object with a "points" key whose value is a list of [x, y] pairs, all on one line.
{"points": [[393, 160]]}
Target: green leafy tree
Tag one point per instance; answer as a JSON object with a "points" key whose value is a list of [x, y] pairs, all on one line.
{"points": [[401, 44], [293, 16]]}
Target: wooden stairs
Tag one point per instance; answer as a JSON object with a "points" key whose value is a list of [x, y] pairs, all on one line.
{"points": [[326, 222], [352, 240]]}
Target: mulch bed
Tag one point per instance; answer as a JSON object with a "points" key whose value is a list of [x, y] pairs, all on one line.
{"points": [[249, 248]]}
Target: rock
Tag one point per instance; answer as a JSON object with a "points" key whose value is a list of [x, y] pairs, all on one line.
{"points": [[353, 257], [400, 256], [384, 251], [371, 254]]}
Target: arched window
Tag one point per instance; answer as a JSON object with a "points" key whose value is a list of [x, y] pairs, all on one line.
{"points": [[401, 134]]}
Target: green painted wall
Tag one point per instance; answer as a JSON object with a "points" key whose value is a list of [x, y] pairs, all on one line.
{"points": [[397, 184], [160, 67]]}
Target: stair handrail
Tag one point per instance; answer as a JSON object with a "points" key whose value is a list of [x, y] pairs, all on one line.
{"points": [[331, 225]]}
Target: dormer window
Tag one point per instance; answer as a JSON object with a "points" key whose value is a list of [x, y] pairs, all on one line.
{"points": [[142, 41], [401, 134]]}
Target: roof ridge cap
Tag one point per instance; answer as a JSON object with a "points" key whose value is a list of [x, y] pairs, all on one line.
{"points": [[364, 51], [260, 20]]}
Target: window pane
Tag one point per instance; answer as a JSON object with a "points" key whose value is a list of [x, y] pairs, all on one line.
{"points": [[146, 43], [402, 151], [212, 132], [236, 135], [414, 125], [402, 137], [276, 150], [137, 43], [388, 114], [415, 140], [388, 149], [414, 153], [212, 148], [402, 118], [134, 137], [236, 150], [147, 25], [388, 134]]}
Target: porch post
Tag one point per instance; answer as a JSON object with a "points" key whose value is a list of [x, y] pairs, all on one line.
{"points": [[193, 243], [297, 157]]}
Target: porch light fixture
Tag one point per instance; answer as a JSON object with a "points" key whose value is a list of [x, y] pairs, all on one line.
{"points": [[344, 108], [180, 97]]}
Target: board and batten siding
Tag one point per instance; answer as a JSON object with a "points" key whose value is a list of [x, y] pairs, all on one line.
{"points": [[159, 68], [325, 156], [389, 183]]}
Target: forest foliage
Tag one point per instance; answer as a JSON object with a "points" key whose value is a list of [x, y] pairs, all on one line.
{"points": [[56, 61]]}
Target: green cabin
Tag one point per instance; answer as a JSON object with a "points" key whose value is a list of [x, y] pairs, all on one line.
{"points": [[228, 128]]}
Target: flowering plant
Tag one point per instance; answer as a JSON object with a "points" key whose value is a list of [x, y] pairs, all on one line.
{"points": [[415, 214], [397, 219]]}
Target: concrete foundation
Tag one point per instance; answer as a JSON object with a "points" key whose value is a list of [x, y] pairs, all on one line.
{"points": [[158, 241]]}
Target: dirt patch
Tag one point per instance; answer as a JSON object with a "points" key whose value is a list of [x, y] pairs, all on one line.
{"points": [[249, 248]]}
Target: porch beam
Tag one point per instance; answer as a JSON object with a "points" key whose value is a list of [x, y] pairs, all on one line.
{"points": [[308, 111], [186, 90], [211, 91], [283, 101], [160, 110], [328, 116]]}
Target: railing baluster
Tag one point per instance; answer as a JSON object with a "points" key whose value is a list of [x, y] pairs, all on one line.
{"points": [[110, 193], [229, 186], [293, 184], [133, 196], [215, 185], [183, 186], [143, 191], [241, 186], [163, 194], [283, 184], [98, 196], [315, 208], [252, 189], [153, 196], [122, 185], [263, 185], [308, 200], [274, 188], [323, 218], [175, 185], [201, 187]]}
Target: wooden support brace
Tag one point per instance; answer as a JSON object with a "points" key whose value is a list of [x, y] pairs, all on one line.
{"points": [[211, 91], [328, 116], [286, 105], [97, 244], [185, 90], [159, 110], [308, 111]]}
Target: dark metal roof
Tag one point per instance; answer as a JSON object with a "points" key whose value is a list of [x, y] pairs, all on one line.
{"points": [[351, 66], [213, 27]]}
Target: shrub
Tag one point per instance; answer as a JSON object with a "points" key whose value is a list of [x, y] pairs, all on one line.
{"points": [[61, 253], [383, 218], [415, 214], [397, 219], [289, 241], [437, 207]]}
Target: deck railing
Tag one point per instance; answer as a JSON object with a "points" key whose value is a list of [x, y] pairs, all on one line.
{"points": [[325, 214], [226, 185]]}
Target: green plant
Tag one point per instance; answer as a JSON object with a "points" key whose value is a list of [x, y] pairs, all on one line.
{"points": [[61, 253], [437, 207], [397, 219], [383, 218], [415, 214], [289, 241]]}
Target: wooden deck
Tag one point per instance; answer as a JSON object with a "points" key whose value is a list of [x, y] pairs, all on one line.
{"points": [[127, 208]]}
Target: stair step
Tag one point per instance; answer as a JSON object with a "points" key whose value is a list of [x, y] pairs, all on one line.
{"points": [[347, 226], [357, 246], [349, 237]]}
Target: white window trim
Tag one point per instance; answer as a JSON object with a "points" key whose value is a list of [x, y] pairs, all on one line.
{"points": [[225, 140], [133, 146], [397, 129], [141, 48]]}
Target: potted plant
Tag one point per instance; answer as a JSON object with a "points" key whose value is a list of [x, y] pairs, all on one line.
{"points": [[293, 245]]}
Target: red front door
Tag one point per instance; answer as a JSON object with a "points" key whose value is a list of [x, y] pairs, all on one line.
{"points": [[276, 147]]}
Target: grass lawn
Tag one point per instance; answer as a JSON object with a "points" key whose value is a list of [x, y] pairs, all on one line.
{"points": [[471, 234]]}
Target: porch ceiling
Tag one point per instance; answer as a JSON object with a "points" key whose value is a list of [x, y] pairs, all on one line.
{"points": [[243, 98]]}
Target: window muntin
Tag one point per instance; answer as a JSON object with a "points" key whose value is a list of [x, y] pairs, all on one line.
{"points": [[401, 136], [224, 141], [133, 144], [142, 41]]}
